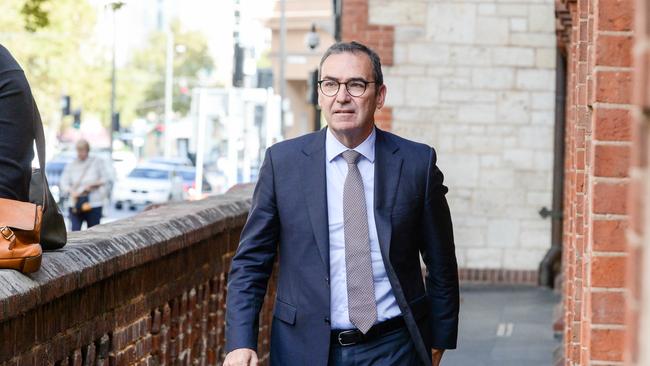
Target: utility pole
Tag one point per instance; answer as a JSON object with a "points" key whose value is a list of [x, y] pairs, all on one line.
{"points": [[115, 6], [169, 76]]}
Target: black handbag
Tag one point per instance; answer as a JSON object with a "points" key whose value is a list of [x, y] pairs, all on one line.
{"points": [[53, 232], [81, 205]]}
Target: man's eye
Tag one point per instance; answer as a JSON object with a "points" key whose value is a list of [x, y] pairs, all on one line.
{"points": [[357, 84]]}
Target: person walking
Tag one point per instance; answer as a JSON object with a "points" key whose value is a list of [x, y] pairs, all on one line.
{"points": [[84, 182], [347, 212]]}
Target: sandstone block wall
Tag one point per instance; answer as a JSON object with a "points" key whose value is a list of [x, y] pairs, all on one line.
{"points": [[476, 80]]}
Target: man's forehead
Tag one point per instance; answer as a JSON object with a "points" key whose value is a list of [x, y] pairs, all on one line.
{"points": [[353, 65]]}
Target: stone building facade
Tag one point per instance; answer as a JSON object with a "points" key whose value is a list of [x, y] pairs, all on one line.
{"points": [[476, 80]]}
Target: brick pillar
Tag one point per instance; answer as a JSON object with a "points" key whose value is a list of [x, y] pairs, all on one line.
{"points": [[638, 274], [610, 99], [597, 35], [355, 26]]}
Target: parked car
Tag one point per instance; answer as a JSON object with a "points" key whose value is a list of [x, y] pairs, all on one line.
{"points": [[148, 184], [189, 183], [176, 161]]}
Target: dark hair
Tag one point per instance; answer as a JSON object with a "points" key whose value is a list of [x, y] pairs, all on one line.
{"points": [[355, 47]]}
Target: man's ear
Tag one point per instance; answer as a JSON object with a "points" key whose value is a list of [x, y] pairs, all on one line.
{"points": [[381, 96]]}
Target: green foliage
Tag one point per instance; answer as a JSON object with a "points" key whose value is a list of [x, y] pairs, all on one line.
{"points": [[148, 66], [35, 16], [53, 42]]}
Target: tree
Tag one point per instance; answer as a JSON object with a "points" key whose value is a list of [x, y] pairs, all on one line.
{"points": [[191, 59], [53, 42]]}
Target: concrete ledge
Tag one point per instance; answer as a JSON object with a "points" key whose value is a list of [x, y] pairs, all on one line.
{"points": [[106, 250]]}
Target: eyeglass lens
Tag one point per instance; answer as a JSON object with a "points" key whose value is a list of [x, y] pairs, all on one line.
{"points": [[356, 88]]}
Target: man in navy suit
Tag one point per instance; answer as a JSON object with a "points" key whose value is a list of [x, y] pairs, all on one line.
{"points": [[347, 211]]}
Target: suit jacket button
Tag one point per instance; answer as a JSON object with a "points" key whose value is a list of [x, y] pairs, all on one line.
{"points": [[327, 319]]}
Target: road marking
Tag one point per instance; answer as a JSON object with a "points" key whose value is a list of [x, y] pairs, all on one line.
{"points": [[505, 329]]}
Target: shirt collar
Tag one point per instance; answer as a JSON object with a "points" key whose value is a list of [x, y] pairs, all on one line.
{"points": [[334, 147]]}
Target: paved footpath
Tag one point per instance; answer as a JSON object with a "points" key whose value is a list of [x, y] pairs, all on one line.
{"points": [[504, 326]]}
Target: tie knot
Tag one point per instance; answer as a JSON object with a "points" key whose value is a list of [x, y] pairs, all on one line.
{"points": [[351, 156]]}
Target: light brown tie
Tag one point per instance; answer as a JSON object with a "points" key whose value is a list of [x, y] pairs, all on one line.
{"points": [[358, 263]]}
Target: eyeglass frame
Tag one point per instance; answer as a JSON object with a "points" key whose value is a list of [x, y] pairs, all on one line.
{"points": [[365, 83]]}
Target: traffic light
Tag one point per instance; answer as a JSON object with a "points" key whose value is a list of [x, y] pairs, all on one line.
{"points": [[65, 105], [115, 122], [77, 119], [312, 87]]}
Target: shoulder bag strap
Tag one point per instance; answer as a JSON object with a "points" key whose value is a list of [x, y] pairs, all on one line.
{"points": [[40, 150], [83, 173]]}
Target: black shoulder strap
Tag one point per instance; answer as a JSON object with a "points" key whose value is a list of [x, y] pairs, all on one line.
{"points": [[40, 150]]}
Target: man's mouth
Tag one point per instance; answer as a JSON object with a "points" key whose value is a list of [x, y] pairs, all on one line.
{"points": [[343, 111]]}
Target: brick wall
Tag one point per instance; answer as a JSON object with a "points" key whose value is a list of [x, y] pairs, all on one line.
{"points": [[355, 26], [638, 274], [144, 291], [596, 37]]}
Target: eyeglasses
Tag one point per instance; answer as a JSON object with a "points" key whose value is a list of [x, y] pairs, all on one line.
{"points": [[356, 88]]}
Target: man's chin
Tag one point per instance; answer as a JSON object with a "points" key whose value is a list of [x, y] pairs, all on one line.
{"points": [[344, 121]]}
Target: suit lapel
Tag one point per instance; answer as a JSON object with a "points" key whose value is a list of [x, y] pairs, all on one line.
{"points": [[314, 187], [388, 166]]}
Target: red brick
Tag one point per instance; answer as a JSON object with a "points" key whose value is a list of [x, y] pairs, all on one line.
{"points": [[640, 138], [613, 87], [615, 15], [632, 336], [612, 124], [642, 74], [607, 308], [608, 272], [635, 271], [580, 160], [76, 359], [611, 161], [609, 235], [607, 344], [609, 198], [636, 204], [613, 50]]}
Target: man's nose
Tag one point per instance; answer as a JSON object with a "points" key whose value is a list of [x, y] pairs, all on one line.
{"points": [[342, 95]]}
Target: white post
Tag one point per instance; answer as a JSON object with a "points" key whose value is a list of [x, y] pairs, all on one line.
{"points": [[200, 144], [169, 77]]}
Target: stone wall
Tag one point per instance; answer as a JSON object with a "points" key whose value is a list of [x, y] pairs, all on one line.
{"points": [[148, 290], [475, 79]]}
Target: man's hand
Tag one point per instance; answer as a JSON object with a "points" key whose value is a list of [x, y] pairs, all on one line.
{"points": [[241, 357], [436, 356]]}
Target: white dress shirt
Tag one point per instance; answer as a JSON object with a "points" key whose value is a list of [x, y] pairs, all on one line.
{"points": [[336, 171]]}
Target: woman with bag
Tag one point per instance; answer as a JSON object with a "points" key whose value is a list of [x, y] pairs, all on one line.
{"points": [[84, 182], [28, 214]]}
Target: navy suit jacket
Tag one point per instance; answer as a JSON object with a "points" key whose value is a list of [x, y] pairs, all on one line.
{"points": [[288, 220]]}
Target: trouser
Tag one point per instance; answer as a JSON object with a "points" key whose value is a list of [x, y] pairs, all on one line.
{"points": [[393, 348], [91, 218]]}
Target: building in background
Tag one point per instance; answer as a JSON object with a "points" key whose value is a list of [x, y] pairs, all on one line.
{"points": [[231, 129], [300, 59]]}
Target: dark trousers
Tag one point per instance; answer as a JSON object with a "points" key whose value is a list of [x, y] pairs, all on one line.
{"points": [[91, 218], [394, 348]]}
